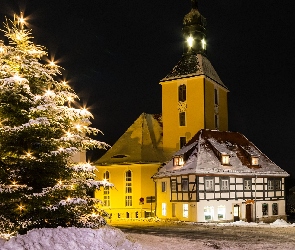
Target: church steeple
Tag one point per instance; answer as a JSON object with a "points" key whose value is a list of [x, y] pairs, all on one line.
{"points": [[194, 31]]}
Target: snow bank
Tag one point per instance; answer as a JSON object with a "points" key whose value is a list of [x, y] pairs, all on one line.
{"points": [[106, 238]]}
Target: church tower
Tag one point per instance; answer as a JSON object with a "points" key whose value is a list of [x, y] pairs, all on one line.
{"points": [[193, 96]]}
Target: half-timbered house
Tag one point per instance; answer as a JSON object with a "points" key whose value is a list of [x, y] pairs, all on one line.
{"points": [[220, 176]]}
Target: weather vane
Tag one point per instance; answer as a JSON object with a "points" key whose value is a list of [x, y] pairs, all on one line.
{"points": [[194, 4]]}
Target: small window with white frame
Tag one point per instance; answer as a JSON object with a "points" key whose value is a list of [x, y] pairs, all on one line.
{"points": [[128, 201], [278, 184], [270, 184], [221, 212], [209, 184], [224, 184], [254, 160], [225, 159]]}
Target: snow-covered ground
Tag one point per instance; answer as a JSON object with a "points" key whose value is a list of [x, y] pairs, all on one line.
{"points": [[172, 236]]}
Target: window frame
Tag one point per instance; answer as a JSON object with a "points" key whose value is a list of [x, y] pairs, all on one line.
{"points": [[164, 209], [212, 186], [184, 184], [182, 119], [222, 187], [182, 93], [264, 209], [247, 180], [128, 200], [163, 186], [182, 141], [185, 210], [173, 186]]}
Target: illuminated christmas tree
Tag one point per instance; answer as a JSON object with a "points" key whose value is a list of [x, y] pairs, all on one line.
{"points": [[40, 131]]}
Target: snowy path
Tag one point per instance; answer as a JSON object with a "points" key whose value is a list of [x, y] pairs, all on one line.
{"points": [[187, 237]]}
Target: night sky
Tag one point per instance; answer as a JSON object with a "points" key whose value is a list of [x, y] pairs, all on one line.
{"points": [[116, 52]]}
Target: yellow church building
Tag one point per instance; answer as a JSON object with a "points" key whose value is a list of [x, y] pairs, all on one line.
{"points": [[146, 163]]}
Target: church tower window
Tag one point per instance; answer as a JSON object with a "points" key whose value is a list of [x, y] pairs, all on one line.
{"points": [[128, 188], [182, 119], [106, 190], [182, 93]]}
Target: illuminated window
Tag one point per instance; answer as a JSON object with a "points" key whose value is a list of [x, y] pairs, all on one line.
{"points": [[182, 141], [224, 184], [182, 93], [182, 119], [185, 210], [178, 161], [164, 209], [173, 186], [190, 41], [275, 209], [184, 184], [221, 212], [209, 184], [254, 160], [208, 213], [247, 184], [225, 159], [128, 200], [106, 190], [163, 186], [204, 44], [128, 182], [264, 209]]}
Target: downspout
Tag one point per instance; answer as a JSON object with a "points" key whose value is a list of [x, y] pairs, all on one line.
{"points": [[156, 199]]}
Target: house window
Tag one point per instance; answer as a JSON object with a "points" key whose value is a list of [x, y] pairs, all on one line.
{"points": [[182, 119], [270, 184], [209, 213], [278, 185], [178, 161], [184, 184], [247, 184], [216, 121], [163, 186], [182, 141], [264, 209], [254, 160], [224, 184], [209, 184], [128, 200], [106, 190], [173, 186], [185, 211], [164, 209], [182, 93], [128, 182], [225, 159], [275, 209], [216, 102], [221, 212]]}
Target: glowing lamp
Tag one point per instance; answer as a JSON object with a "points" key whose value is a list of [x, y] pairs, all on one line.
{"points": [[190, 41], [203, 41]]}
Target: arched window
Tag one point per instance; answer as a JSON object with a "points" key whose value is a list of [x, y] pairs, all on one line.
{"points": [[106, 191], [128, 188], [182, 93]]}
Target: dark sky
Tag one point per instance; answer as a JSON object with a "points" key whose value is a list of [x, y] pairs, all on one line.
{"points": [[116, 52]]}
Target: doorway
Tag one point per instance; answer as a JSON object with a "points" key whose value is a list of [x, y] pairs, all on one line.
{"points": [[249, 212], [236, 212]]}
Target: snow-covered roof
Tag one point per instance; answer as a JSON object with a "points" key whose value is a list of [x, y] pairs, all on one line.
{"points": [[192, 65], [141, 143], [202, 155]]}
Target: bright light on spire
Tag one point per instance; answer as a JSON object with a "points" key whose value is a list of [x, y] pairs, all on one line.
{"points": [[190, 41]]}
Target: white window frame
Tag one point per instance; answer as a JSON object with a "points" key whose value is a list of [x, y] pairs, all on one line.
{"points": [[173, 186], [221, 212], [209, 184], [209, 213], [128, 201], [224, 184], [184, 185], [247, 184], [270, 184]]}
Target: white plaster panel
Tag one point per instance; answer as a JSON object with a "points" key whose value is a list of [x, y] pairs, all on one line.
{"points": [[225, 195]]}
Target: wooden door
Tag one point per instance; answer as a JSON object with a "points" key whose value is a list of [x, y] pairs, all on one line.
{"points": [[249, 212]]}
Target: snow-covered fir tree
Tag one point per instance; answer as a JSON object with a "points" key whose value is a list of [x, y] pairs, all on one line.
{"points": [[40, 131]]}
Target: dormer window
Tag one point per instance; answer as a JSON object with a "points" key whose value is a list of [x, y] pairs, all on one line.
{"points": [[254, 160], [178, 161], [224, 159]]}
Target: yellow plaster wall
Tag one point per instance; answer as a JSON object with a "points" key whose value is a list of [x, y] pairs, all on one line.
{"points": [[170, 114], [142, 186]]}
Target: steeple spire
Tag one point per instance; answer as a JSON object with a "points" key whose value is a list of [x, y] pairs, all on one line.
{"points": [[194, 4], [194, 31]]}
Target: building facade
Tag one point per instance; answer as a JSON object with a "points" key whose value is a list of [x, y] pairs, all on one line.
{"points": [[220, 176]]}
